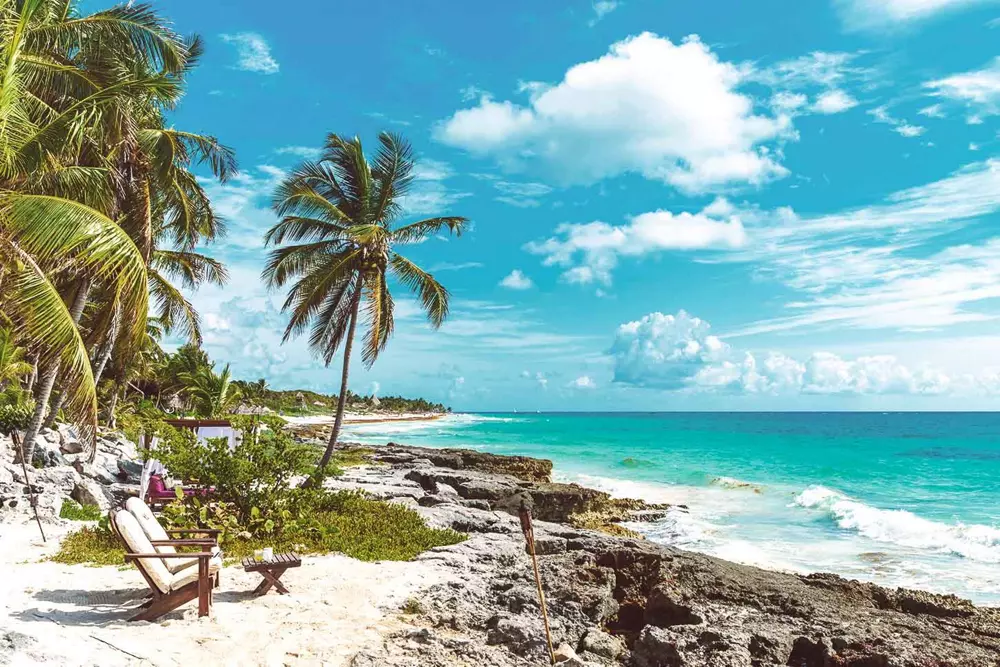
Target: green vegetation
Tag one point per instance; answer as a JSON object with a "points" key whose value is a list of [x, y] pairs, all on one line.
{"points": [[90, 546], [337, 245], [76, 512], [412, 607]]}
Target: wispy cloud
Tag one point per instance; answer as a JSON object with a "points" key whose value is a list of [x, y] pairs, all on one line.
{"points": [[978, 89], [892, 14], [881, 115], [601, 9], [429, 194], [882, 266], [305, 152], [253, 52]]}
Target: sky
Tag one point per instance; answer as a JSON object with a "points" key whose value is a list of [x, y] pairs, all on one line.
{"points": [[675, 205]]}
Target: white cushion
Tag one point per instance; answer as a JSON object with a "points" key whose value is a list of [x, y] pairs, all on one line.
{"points": [[154, 531], [138, 543], [184, 578]]}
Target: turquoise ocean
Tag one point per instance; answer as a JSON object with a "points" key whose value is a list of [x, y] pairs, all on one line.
{"points": [[900, 499]]}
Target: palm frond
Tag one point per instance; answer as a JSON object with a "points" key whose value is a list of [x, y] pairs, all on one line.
{"points": [[433, 296]]}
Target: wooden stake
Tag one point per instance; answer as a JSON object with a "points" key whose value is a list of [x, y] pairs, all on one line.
{"points": [[31, 494], [529, 537]]}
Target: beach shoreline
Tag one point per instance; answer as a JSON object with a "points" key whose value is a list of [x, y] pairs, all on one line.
{"points": [[363, 418], [612, 599]]}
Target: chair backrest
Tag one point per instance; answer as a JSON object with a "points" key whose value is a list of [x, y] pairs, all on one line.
{"points": [[135, 539], [149, 524]]}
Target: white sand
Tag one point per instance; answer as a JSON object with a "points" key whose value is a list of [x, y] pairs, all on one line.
{"points": [[363, 417], [337, 607]]}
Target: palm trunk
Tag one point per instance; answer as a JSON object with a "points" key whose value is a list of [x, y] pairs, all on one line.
{"points": [[48, 376], [338, 422]]}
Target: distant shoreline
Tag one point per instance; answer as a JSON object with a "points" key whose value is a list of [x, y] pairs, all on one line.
{"points": [[361, 418]]}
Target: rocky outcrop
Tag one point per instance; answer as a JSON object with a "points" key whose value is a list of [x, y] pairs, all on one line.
{"points": [[615, 601], [62, 472], [504, 483]]}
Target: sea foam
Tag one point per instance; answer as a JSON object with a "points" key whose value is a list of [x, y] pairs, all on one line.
{"points": [[902, 527]]}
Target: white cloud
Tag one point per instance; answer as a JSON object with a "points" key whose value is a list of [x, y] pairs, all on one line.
{"points": [[522, 195], [973, 146], [788, 102], [881, 115], [882, 266], [825, 69], [590, 251], [253, 52], [664, 350], [602, 8], [305, 152], [834, 101], [979, 89], [429, 195], [889, 14], [459, 266], [669, 111], [542, 381], [933, 111], [583, 382], [517, 280], [677, 353], [374, 388]]}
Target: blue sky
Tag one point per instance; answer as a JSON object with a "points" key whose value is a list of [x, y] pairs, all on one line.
{"points": [[677, 205]]}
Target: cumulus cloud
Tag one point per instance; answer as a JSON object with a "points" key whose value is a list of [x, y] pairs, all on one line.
{"points": [[583, 382], [671, 112], [834, 101], [305, 152], [677, 353], [590, 251], [888, 14], [516, 280], [253, 53], [979, 89]]}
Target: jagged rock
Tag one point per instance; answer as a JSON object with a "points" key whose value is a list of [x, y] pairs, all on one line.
{"points": [[524, 635], [99, 474], [546, 545], [521, 467], [62, 479], [601, 644], [47, 454], [656, 647], [89, 492], [809, 653], [663, 611], [129, 471]]}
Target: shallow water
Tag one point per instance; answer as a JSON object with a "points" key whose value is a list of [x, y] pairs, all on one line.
{"points": [[901, 499]]}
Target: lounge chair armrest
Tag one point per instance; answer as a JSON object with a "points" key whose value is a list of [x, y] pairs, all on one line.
{"points": [[206, 531], [182, 543], [194, 554]]}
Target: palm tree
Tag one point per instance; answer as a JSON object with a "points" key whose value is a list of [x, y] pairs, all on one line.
{"points": [[340, 216], [213, 394], [13, 367]]}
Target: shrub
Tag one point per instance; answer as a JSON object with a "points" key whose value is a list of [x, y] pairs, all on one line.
{"points": [[91, 545], [76, 512]]}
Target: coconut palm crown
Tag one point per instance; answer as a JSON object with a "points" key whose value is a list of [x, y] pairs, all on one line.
{"points": [[336, 246]]}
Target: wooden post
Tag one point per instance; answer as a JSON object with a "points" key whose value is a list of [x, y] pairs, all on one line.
{"points": [[204, 587], [31, 494], [529, 537]]}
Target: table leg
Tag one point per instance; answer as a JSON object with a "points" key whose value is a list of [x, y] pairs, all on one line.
{"points": [[271, 578]]}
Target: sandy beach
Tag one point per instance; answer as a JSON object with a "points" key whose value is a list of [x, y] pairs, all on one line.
{"points": [[76, 615], [364, 418]]}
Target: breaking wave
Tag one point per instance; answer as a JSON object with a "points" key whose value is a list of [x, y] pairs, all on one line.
{"points": [[902, 527]]}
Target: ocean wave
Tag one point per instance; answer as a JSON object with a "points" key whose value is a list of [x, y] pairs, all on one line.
{"points": [[904, 528]]}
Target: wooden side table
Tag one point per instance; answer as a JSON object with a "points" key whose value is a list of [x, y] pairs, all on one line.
{"points": [[271, 571]]}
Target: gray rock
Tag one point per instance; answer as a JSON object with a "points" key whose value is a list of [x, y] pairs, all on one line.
{"points": [[71, 446], [601, 644], [548, 545], [485, 489], [89, 492], [62, 479], [656, 647], [99, 474]]}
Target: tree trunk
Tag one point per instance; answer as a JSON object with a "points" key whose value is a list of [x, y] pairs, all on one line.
{"points": [[48, 376], [338, 422]]}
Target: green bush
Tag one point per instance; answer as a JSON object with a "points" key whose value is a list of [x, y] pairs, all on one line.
{"points": [[76, 512], [92, 546]]}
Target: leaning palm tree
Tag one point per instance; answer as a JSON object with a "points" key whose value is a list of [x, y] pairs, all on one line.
{"points": [[340, 216], [213, 395]]}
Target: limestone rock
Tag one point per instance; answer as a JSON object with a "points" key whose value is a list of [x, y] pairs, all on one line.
{"points": [[656, 647], [601, 644], [61, 479], [89, 492]]}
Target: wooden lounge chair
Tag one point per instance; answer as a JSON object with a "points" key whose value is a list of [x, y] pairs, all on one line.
{"points": [[161, 538], [170, 590]]}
